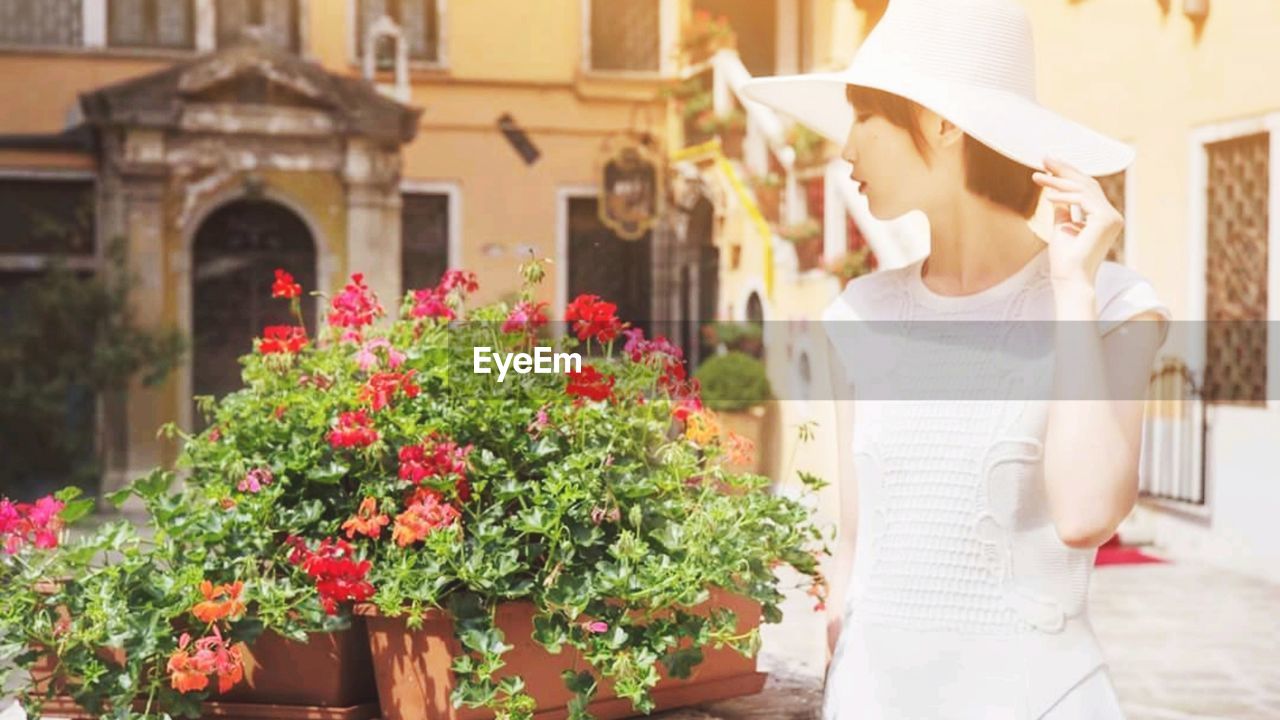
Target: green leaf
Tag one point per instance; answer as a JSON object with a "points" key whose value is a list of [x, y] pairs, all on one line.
{"points": [[67, 494], [76, 509], [580, 682]]}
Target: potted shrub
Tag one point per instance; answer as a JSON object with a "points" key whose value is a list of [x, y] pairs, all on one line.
{"points": [[806, 237], [736, 388], [731, 129], [588, 517], [810, 147], [768, 192], [852, 264], [743, 337]]}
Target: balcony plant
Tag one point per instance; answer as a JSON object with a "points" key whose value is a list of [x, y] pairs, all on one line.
{"points": [[806, 237], [704, 35], [810, 147], [730, 128], [768, 192], [852, 264]]}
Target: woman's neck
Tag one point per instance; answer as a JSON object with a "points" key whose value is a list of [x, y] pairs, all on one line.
{"points": [[974, 244]]}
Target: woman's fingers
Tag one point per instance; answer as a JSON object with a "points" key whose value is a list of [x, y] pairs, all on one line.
{"points": [[1054, 181], [1061, 167], [1068, 198]]}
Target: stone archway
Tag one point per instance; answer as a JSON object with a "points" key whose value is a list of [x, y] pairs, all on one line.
{"points": [[234, 256]]}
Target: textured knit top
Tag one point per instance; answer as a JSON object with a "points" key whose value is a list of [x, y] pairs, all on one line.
{"points": [[964, 602]]}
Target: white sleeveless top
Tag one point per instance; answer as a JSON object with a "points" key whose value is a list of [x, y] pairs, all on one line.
{"points": [[963, 602]]}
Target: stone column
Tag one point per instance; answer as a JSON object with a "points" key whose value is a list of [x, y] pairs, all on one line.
{"points": [[133, 187], [372, 176]]}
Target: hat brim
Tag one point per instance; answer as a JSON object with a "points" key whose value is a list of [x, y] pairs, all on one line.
{"points": [[1012, 125]]}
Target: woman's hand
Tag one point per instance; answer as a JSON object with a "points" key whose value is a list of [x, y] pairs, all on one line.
{"points": [[1076, 249]]}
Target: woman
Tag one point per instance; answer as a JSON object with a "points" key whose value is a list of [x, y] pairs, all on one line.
{"points": [[976, 519]]}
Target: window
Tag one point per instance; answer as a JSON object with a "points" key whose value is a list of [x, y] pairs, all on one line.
{"points": [[419, 22], [275, 21], [1113, 186], [424, 239], [55, 23], [625, 35], [1236, 270], [151, 23], [46, 217]]}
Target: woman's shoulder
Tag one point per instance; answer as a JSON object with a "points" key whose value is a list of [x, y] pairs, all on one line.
{"points": [[870, 296]]}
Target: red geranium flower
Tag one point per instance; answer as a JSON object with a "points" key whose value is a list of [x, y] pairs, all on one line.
{"points": [[593, 318], [589, 383], [337, 575], [437, 457], [284, 286], [282, 339], [354, 430], [383, 386]]}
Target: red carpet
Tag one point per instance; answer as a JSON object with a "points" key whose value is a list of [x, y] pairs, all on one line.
{"points": [[1113, 553]]}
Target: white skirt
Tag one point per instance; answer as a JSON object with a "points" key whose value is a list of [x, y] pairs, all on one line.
{"points": [[883, 673]]}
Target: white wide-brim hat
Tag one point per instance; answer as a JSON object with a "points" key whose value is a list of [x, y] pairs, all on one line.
{"points": [[970, 61]]}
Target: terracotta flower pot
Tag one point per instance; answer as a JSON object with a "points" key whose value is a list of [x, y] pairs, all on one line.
{"points": [[769, 198], [332, 670], [415, 679], [809, 253], [731, 141], [328, 678]]}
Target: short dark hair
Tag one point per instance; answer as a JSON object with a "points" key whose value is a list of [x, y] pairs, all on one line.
{"points": [[986, 172]]}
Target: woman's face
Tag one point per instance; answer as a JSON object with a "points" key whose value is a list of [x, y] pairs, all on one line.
{"points": [[889, 168]]}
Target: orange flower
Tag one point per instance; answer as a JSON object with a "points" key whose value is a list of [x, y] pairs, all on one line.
{"points": [[187, 673], [741, 450], [231, 671], [366, 521], [420, 519], [702, 428], [212, 608]]}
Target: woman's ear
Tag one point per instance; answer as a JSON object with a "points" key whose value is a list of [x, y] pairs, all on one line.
{"points": [[947, 134]]}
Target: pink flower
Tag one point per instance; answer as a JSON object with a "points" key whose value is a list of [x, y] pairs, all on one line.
{"points": [[525, 317], [367, 359], [255, 479], [539, 422], [430, 303], [355, 307], [36, 524], [638, 348], [596, 627]]}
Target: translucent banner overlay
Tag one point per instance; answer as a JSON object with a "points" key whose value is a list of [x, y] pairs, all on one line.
{"points": [[1226, 362]]}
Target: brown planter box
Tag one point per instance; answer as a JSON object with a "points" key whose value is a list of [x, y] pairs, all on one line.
{"points": [[328, 678], [413, 667]]}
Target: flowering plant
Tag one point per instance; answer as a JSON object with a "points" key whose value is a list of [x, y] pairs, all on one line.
{"points": [[704, 34], [369, 462]]}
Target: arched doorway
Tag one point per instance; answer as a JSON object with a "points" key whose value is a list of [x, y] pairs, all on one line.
{"points": [[236, 252]]}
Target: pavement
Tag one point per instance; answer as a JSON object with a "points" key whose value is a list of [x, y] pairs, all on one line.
{"points": [[1184, 641]]}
